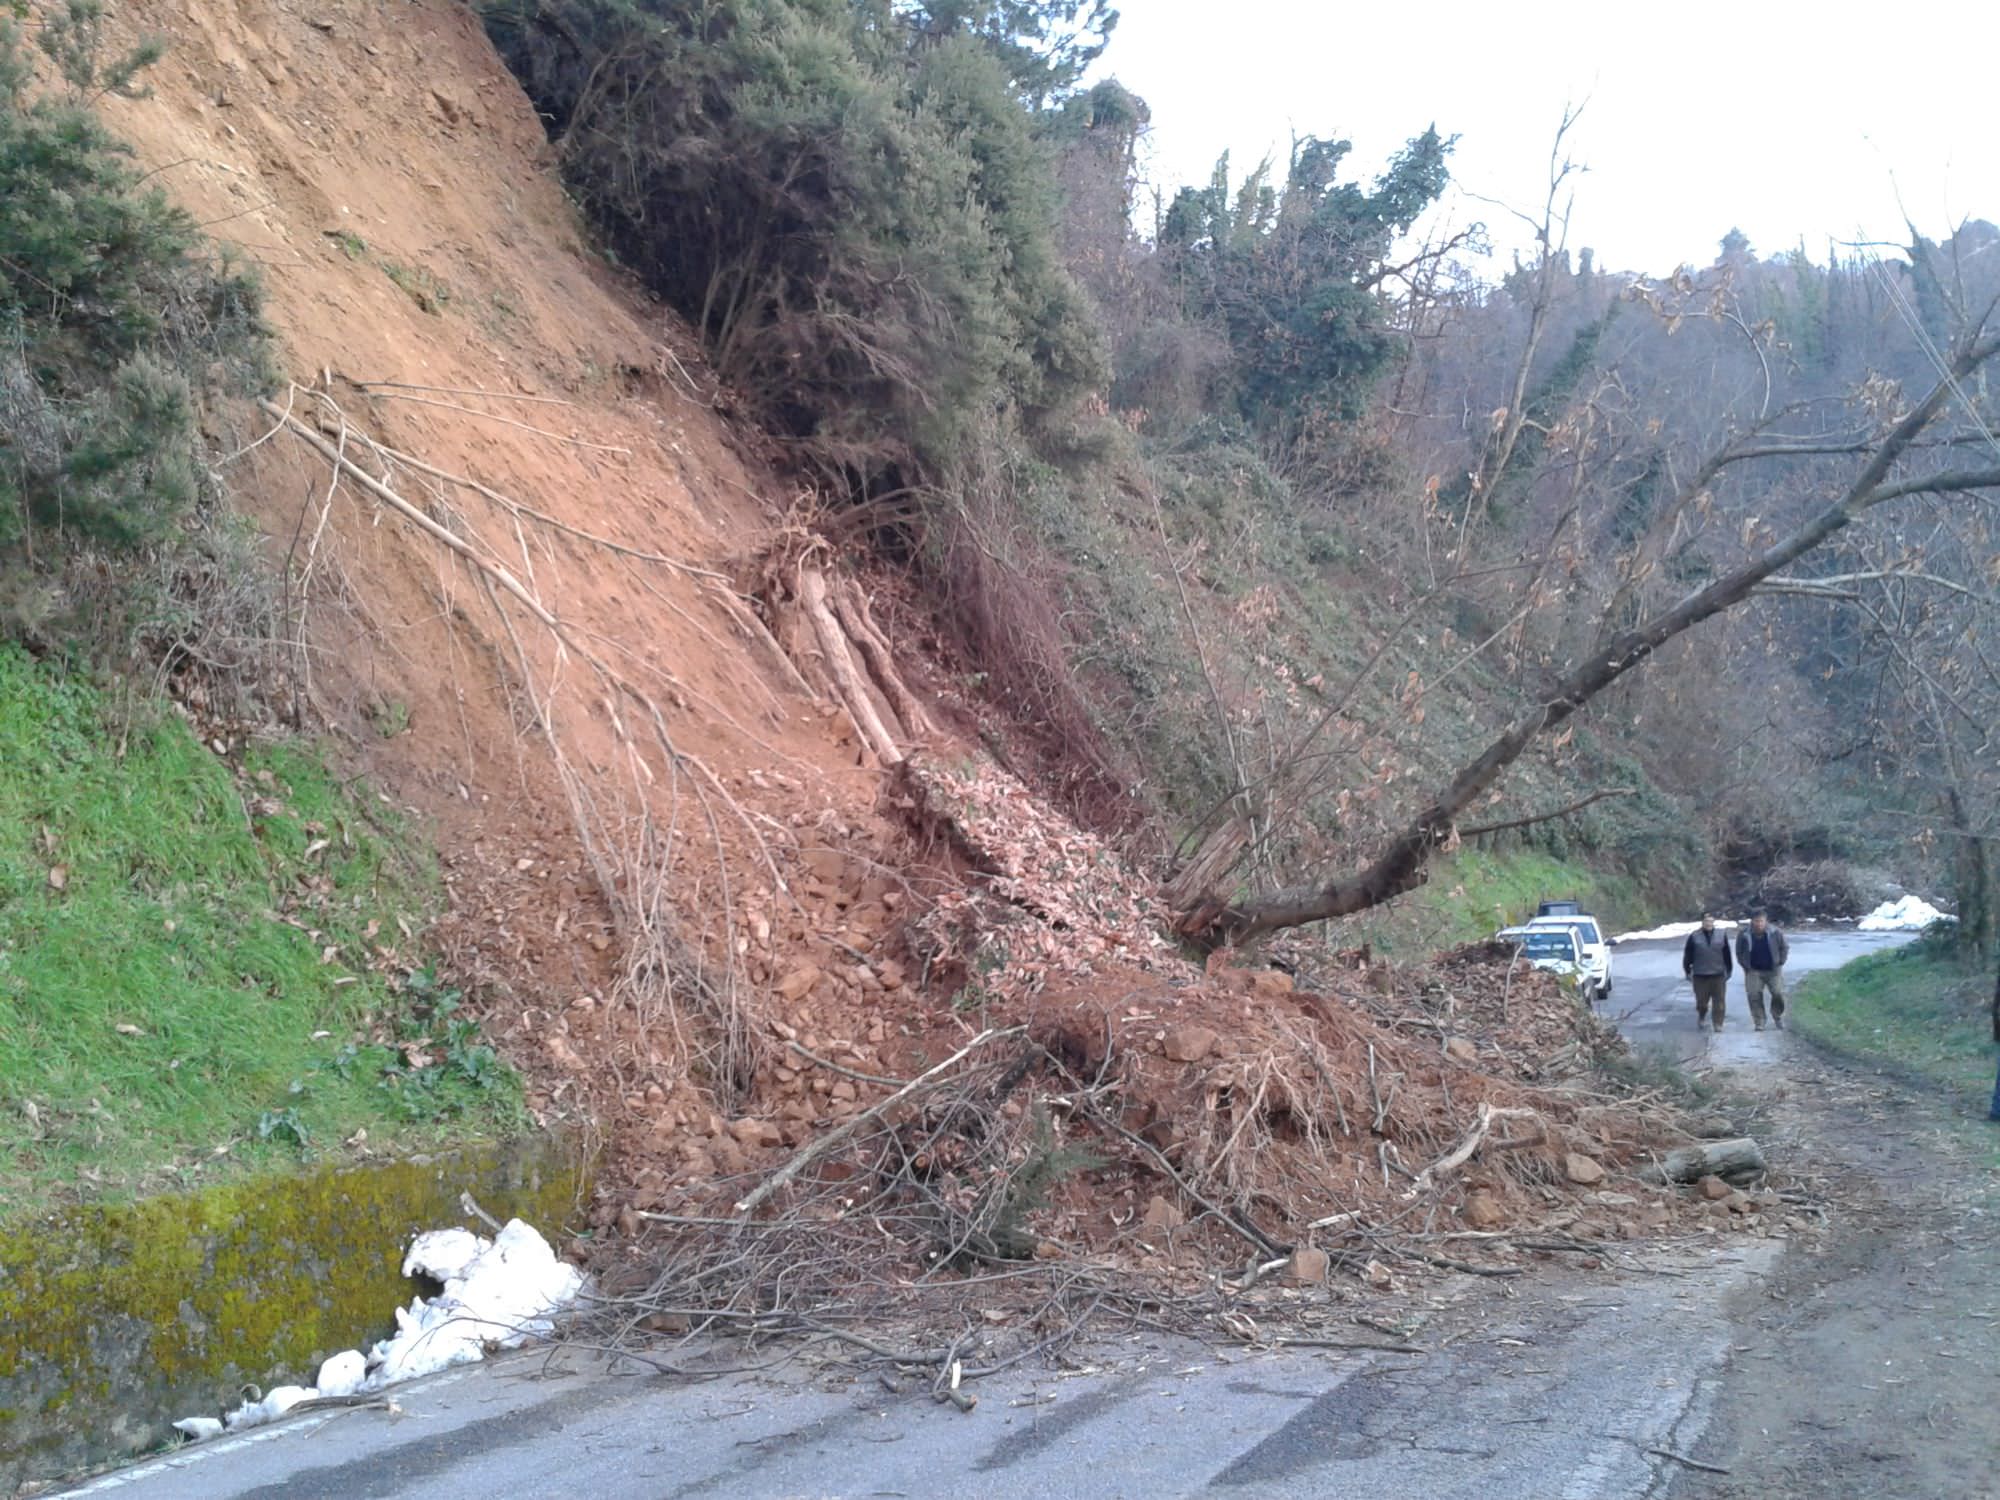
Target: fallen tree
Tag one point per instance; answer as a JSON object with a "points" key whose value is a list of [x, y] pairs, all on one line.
{"points": [[1732, 1159], [1401, 865]]}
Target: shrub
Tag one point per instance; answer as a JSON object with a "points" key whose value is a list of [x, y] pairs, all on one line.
{"points": [[848, 200], [116, 321]]}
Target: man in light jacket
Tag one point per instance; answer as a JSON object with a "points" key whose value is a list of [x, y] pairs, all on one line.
{"points": [[1707, 963], [1761, 951]]}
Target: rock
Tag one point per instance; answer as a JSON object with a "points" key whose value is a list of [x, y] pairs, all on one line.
{"points": [[1162, 1214], [1738, 1204], [1190, 1043], [798, 984], [760, 1133], [1483, 1211], [1617, 1200], [1583, 1170], [1714, 1189], [1308, 1265], [1459, 1050], [1252, 981], [1377, 1275]]}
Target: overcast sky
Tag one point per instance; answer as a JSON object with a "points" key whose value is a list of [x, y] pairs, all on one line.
{"points": [[1781, 118]]}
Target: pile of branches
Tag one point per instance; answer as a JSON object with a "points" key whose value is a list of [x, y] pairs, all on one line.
{"points": [[958, 1221], [910, 1218]]}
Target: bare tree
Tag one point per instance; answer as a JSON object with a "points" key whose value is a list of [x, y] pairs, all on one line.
{"points": [[1551, 231], [1890, 458]]}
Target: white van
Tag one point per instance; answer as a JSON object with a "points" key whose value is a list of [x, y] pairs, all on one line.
{"points": [[1587, 954], [1596, 949]]}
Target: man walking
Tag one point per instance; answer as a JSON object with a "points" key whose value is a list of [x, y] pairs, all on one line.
{"points": [[1707, 963], [1994, 1112], [1761, 950]]}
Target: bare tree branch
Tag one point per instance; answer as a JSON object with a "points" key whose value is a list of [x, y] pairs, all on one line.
{"points": [[1564, 811]]}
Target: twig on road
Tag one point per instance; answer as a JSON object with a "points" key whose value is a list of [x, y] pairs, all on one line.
{"points": [[1692, 1463]]}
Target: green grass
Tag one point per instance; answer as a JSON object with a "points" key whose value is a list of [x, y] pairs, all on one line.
{"points": [[1475, 892], [1920, 1008], [203, 973]]}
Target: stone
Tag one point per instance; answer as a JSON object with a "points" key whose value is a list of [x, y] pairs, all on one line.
{"points": [[1714, 1189], [1617, 1200], [1187, 1044], [729, 1156], [1483, 1211], [1308, 1265], [1459, 1050], [1161, 1214], [759, 1133], [1583, 1170], [798, 984]]}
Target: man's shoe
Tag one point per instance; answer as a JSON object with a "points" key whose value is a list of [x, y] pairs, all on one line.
{"points": [[1779, 1022], [1760, 1025]]}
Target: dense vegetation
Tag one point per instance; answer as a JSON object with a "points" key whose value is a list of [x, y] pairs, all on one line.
{"points": [[1197, 489], [117, 321]]}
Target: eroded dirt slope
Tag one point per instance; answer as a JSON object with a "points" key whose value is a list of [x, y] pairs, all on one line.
{"points": [[386, 174]]}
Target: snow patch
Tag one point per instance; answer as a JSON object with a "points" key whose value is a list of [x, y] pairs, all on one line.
{"points": [[1673, 930], [342, 1375], [498, 1294], [1911, 914]]}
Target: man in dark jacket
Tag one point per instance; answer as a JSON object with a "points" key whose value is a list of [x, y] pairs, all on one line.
{"points": [[1994, 1112], [1761, 951], [1707, 963]]}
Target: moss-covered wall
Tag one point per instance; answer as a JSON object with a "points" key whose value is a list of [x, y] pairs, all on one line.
{"points": [[115, 1321]]}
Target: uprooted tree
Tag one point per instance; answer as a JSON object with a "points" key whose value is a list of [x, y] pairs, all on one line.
{"points": [[1901, 452]]}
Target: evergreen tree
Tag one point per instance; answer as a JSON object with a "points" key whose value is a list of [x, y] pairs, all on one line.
{"points": [[1295, 272]]}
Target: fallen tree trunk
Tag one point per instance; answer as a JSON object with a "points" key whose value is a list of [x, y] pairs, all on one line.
{"points": [[1741, 1157], [840, 663], [851, 610]]}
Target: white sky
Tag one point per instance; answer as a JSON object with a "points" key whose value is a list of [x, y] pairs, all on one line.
{"points": [[1781, 118]]}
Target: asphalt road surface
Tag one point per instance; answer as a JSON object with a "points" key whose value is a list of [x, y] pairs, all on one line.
{"points": [[1566, 1386], [1654, 1006]]}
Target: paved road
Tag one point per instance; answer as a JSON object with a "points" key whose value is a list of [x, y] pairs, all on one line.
{"points": [[1654, 1006], [1558, 1393]]}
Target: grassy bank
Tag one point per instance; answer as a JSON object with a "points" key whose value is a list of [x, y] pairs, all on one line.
{"points": [[1920, 1009], [207, 966], [1475, 892]]}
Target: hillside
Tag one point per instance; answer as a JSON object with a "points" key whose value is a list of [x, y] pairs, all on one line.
{"points": [[391, 184], [668, 849]]}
